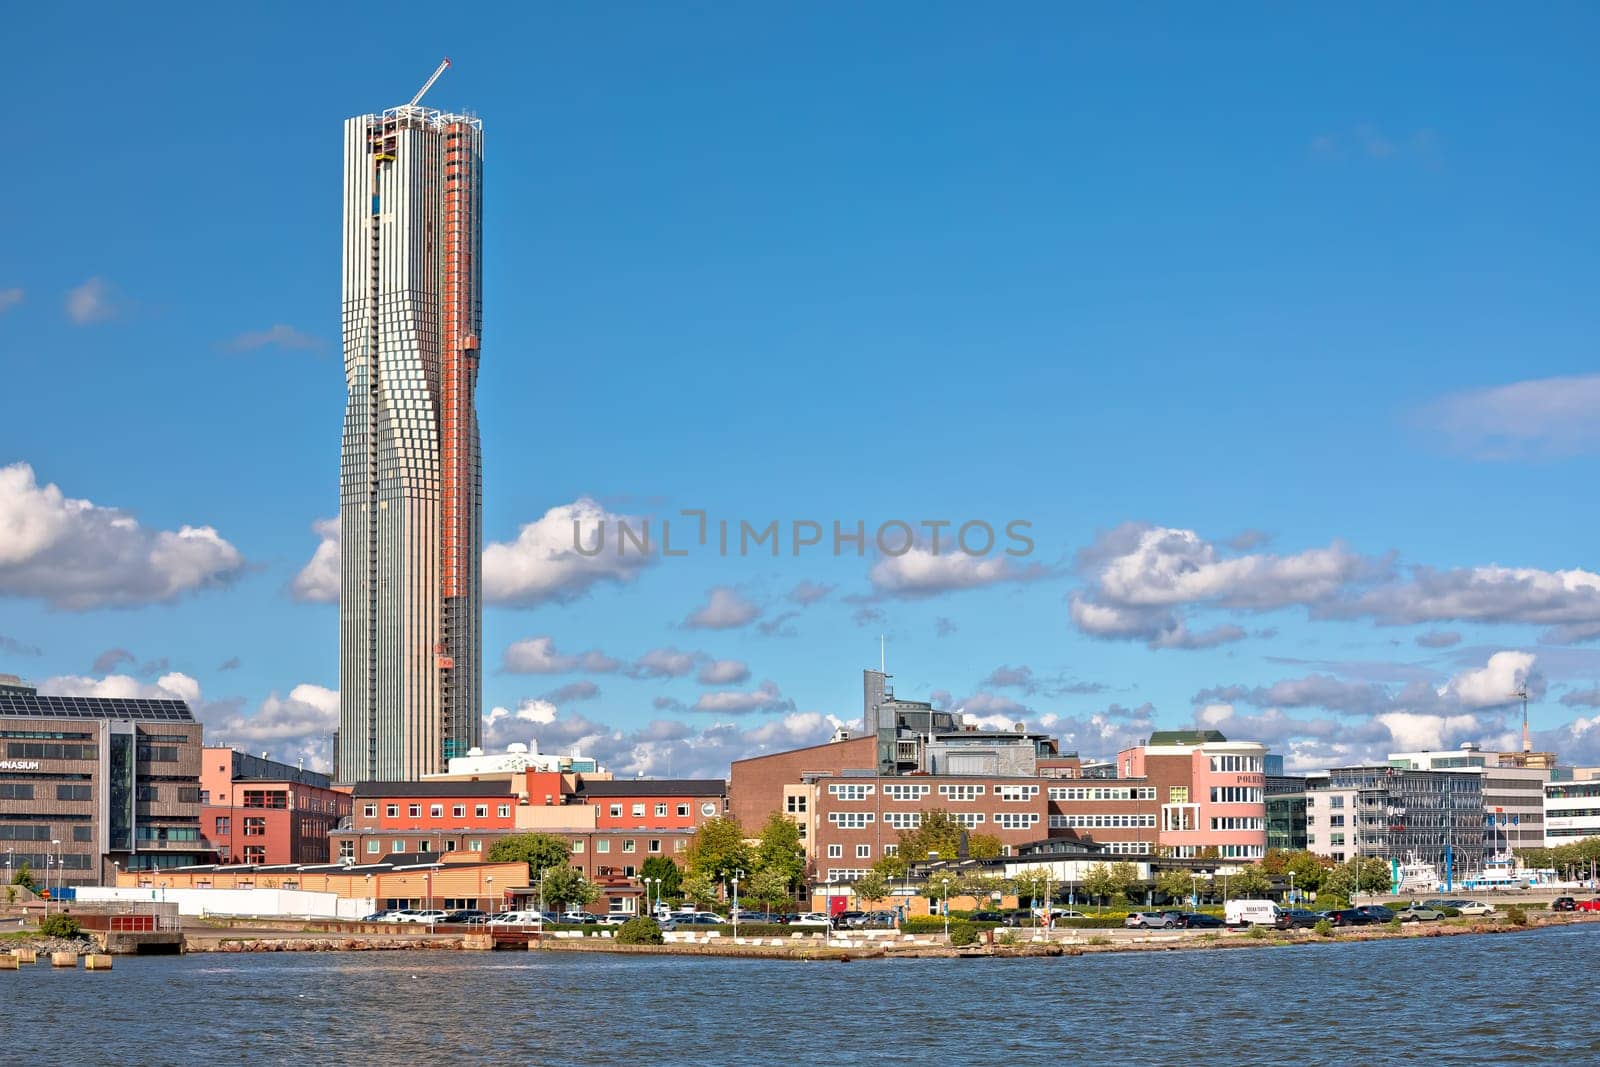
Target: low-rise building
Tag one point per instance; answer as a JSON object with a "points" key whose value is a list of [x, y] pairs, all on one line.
{"points": [[1512, 787], [91, 785], [258, 810], [1571, 811]]}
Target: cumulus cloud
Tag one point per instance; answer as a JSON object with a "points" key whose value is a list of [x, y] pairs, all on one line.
{"points": [[779, 625], [723, 672], [543, 564], [11, 646], [921, 572], [538, 655], [664, 663], [279, 336], [1493, 594], [1497, 683], [1582, 698], [1438, 639], [318, 580], [725, 609], [764, 698], [1020, 677], [9, 298], [173, 686], [77, 556], [290, 728], [807, 593], [111, 659], [572, 692], [93, 301], [1540, 418]]}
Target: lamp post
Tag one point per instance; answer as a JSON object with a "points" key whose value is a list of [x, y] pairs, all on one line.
{"points": [[736, 876], [489, 879], [1194, 891], [1291, 890], [10, 852]]}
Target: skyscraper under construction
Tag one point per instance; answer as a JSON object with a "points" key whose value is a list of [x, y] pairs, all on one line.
{"points": [[410, 481]]}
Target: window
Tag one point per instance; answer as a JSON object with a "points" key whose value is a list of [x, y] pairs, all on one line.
{"points": [[255, 853], [578, 846], [1238, 822], [1108, 822], [602, 845], [616, 811], [902, 820], [1103, 792], [458, 811], [189, 794], [1178, 794], [835, 852], [369, 811], [224, 826], [1016, 793], [970, 819], [680, 844], [1336, 802], [435, 811], [795, 803], [627, 872], [414, 811], [15, 791], [891, 850], [905, 792], [655, 844], [683, 811], [397, 846], [851, 820], [1235, 794], [1336, 820], [504, 811], [391, 811], [661, 811], [256, 827], [1236, 764], [863, 852], [373, 845], [850, 792], [74, 792], [628, 845], [481, 811], [474, 845], [347, 850], [638, 811], [1015, 820], [450, 845], [1337, 840], [961, 792]]}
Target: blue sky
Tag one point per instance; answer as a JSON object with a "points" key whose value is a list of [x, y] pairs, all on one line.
{"points": [[1312, 292]]}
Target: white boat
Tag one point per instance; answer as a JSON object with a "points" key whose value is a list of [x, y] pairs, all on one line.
{"points": [[1417, 876]]}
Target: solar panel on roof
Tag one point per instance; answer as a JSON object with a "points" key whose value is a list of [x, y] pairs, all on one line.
{"points": [[32, 705]]}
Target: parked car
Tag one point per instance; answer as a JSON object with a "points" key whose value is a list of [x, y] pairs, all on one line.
{"points": [[1297, 919], [849, 920], [515, 918], [1413, 913], [698, 918], [1000, 918], [579, 918], [1059, 913], [1195, 920], [376, 917], [1350, 917], [809, 918], [1563, 904], [1149, 920], [613, 919], [428, 916], [465, 915], [880, 920], [1376, 912], [399, 915], [1475, 907]]}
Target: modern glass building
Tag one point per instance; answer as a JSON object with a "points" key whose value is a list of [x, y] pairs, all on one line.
{"points": [[1396, 814], [1286, 811], [89, 785], [410, 506]]}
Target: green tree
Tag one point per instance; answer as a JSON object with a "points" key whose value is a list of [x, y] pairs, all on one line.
{"points": [[779, 850], [981, 887], [939, 833], [1375, 876], [565, 886], [891, 867], [23, 877], [641, 930], [1099, 883], [984, 846], [666, 869], [1251, 881], [1124, 876], [1033, 883], [768, 887], [700, 889], [1308, 869], [718, 850], [1175, 885], [942, 885], [870, 889], [59, 925], [539, 851]]}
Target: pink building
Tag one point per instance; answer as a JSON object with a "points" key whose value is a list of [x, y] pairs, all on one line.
{"points": [[1212, 793]]}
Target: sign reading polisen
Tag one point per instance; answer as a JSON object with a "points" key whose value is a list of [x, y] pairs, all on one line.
{"points": [[19, 764]]}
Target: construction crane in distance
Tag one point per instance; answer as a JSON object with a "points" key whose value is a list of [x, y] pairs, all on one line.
{"points": [[429, 83]]}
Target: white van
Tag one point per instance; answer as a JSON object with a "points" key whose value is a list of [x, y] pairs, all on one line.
{"points": [[1251, 913], [516, 918]]}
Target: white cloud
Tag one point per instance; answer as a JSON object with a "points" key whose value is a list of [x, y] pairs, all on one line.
{"points": [[1492, 594], [664, 663], [76, 555], [765, 697], [538, 655], [9, 298], [173, 686], [723, 672], [920, 572], [543, 565], [279, 336], [1541, 418], [1496, 683], [93, 301], [807, 593], [298, 727], [725, 609], [318, 581]]}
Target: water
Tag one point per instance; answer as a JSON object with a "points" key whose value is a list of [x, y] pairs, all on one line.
{"points": [[1522, 998]]}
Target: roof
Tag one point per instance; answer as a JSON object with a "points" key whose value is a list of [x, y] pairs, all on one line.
{"points": [[25, 703], [1187, 737], [431, 789], [395, 861], [654, 787]]}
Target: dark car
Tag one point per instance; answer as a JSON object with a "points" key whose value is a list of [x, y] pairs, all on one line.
{"points": [[1376, 912], [1297, 919], [1563, 904], [471, 916], [849, 920], [1194, 920], [1350, 917], [1000, 918]]}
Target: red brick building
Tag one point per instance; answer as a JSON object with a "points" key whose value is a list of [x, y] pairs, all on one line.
{"points": [[257, 810]]}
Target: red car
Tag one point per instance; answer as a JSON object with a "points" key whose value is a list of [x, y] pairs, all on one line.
{"points": [[1588, 905]]}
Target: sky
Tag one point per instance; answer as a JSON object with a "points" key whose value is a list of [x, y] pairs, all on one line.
{"points": [[1273, 329]]}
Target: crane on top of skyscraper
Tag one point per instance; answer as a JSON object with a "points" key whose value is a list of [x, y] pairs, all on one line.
{"points": [[429, 83]]}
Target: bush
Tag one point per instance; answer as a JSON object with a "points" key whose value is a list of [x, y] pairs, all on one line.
{"points": [[1516, 916], [1008, 937], [964, 933], [1324, 928], [60, 925], [1450, 913], [1258, 933], [642, 930], [1099, 939]]}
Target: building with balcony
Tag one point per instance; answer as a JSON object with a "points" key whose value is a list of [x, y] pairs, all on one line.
{"points": [[91, 785], [1397, 814]]}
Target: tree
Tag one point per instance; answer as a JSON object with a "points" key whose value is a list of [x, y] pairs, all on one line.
{"points": [[23, 877], [700, 890], [539, 851], [1033, 883], [871, 888], [980, 886], [1099, 883], [718, 850], [566, 885], [666, 869], [939, 833], [1308, 869], [984, 846], [1375, 876], [891, 867], [768, 887], [1175, 885], [641, 930], [1124, 877], [1251, 881], [779, 850]]}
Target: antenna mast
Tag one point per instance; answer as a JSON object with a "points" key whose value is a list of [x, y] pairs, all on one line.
{"points": [[429, 83], [1522, 694]]}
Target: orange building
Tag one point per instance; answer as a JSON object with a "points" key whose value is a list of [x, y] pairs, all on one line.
{"points": [[257, 810]]}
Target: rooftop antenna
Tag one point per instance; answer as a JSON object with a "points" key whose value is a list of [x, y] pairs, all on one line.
{"points": [[429, 83], [1522, 694]]}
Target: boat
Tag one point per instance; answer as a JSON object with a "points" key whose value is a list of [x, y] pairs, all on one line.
{"points": [[1417, 876]]}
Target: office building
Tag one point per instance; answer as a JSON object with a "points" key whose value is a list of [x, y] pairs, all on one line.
{"points": [[1397, 814], [1571, 811], [89, 785], [1512, 786], [1286, 813], [410, 625], [258, 810]]}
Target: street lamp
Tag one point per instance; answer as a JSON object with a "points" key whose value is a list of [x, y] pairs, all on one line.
{"points": [[736, 876]]}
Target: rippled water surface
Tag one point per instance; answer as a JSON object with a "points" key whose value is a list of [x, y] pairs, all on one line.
{"points": [[1524, 998]]}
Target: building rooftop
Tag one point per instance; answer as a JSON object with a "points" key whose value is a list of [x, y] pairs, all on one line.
{"points": [[654, 787], [431, 789], [24, 703], [1187, 737]]}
